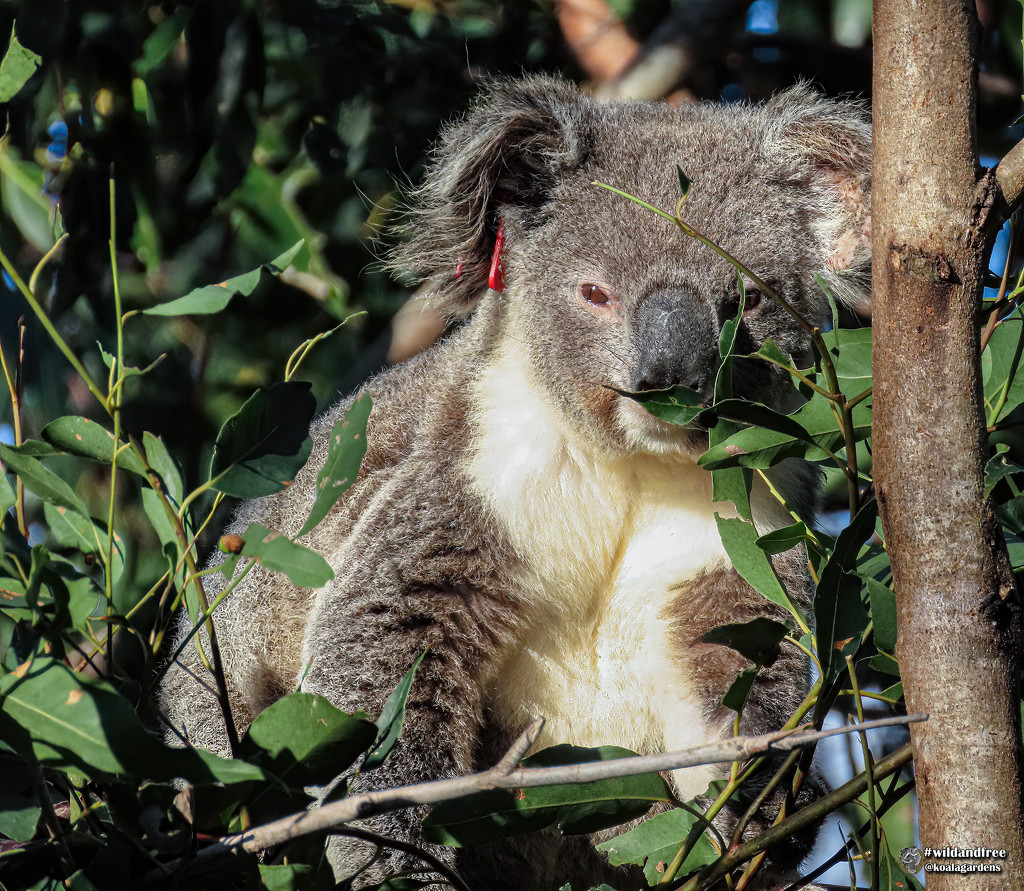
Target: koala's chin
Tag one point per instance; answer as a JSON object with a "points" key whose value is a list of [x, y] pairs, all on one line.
{"points": [[545, 544], [643, 433]]}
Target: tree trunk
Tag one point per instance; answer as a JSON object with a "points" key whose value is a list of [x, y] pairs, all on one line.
{"points": [[958, 616]]}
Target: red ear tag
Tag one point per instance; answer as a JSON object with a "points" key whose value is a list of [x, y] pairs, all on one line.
{"points": [[496, 279], [458, 266]]}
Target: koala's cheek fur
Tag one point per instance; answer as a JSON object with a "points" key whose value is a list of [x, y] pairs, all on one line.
{"points": [[552, 547]]}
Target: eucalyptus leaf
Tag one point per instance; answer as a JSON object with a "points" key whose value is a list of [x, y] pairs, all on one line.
{"points": [[840, 615], [345, 450], [736, 696], [18, 65], [305, 568], [87, 439], [757, 640], [680, 405], [656, 841], [265, 443], [303, 740], [739, 538], [41, 481], [392, 717], [574, 808], [213, 298]]}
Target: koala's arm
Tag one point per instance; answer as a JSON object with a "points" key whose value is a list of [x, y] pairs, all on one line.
{"points": [[719, 596]]}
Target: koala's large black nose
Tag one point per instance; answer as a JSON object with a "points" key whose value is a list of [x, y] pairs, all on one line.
{"points": [[675, 341]]}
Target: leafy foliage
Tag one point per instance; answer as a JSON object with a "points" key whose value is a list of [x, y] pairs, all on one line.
{"points": [[185, 186]]}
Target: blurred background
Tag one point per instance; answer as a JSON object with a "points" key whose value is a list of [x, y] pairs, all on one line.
{"points": [[234, 128]]}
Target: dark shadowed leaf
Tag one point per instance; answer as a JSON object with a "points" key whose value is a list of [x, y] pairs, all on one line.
{"points": [[578, 808], [345, 451], [655, 843], [265, 443], [685, 183], [840, 615], [69, 721], [736, 696], [392, 716], [757, 640], [304, 740]]}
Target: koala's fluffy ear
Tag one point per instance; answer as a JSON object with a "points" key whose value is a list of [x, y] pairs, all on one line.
{"points": [[828, 144], [508, 150]]}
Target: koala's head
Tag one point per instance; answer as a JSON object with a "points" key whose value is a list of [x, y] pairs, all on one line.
{"points": [[602, 293]]}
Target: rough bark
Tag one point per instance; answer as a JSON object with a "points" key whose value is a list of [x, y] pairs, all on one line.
{"points": [[958, 618]]}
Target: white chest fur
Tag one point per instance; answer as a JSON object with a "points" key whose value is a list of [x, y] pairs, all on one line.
{"points": [[606, 541]]}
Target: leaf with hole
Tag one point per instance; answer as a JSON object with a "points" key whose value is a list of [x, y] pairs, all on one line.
{"points": [[345, 450]]}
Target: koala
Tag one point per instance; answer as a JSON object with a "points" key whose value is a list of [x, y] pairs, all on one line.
{"points": [[548, 542]]}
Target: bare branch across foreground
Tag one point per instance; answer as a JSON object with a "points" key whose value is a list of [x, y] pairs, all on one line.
{"points": [[505, 775]]}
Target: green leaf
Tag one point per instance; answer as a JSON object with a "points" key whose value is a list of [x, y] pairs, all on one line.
{"points": [[72, 530], [80, 436], [736, 696], [41, 481], [21, 184], [891, 874], [19, 815], [69, 721], [757, 640], [345, 451], [999, 467], [781, 540], [655, 843], [885, 663], [816, 429], [304, 740], [740, 541], [853, 359], [7, 496], [213, 298], [162, 462], [883, 614], [680, 405], [840, 616], [1000, 365], [18, 65], [265, 443], [392, 716], [162, 39], [685, 183], [575, 808], [305, 568]]}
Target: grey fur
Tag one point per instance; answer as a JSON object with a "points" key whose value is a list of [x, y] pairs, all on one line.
{"points": [[430, 548]]}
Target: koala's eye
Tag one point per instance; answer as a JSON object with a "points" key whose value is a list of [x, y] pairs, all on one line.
{"points": [[595, 294], [753, 300]]}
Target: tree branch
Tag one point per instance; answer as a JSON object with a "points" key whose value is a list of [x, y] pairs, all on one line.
{"points": [[501, 776], [1010, 175]]}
